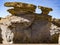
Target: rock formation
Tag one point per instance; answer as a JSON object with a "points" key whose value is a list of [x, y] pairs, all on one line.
{"points": [[24, 25], [44, 10], [20, 7], [55, 31]]}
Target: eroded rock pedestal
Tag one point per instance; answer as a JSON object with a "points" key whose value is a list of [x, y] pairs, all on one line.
{"points": [[24, 25]]}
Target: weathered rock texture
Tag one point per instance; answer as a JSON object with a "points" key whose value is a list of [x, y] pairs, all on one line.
{"points": [[24, 25], [44, 10]]}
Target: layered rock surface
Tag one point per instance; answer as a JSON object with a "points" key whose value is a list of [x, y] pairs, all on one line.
{"points": [[24, 25]]}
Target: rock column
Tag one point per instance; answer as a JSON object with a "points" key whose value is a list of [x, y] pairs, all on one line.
{"points": [[26, 26], [19, 21]]}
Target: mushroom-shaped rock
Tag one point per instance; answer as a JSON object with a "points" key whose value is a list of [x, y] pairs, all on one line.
{"points": [[45, 10], [21, 6]]}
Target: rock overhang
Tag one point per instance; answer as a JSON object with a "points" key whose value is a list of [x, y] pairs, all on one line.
{"points": [[21, 6]]}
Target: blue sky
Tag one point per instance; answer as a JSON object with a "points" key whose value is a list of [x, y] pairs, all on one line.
{"points": [[54, 4]]}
